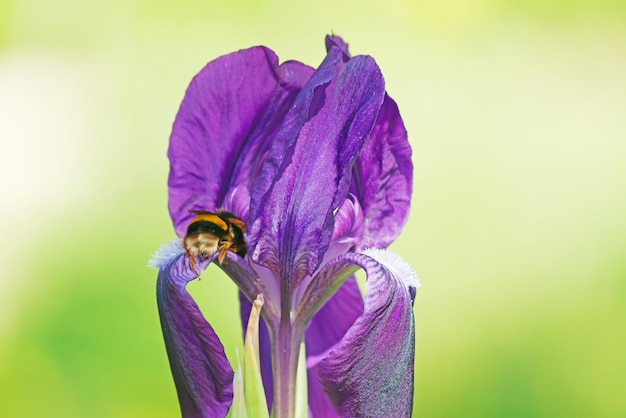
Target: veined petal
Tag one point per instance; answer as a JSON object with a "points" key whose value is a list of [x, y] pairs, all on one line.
{"points": [[332, 320], [307, 173], [201, 371], [349, 223], [382, 178], [322, 287], [326, 328], [226, 120], [369, 373], [250, 284]]}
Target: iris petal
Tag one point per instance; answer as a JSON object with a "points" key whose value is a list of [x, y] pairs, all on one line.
{"points": [[250, 284], [349, 223], [307, 172], [370, 371], [333, 41], [326, 328], [382, 178], [332, 320], [201, 371], [224, 125]]}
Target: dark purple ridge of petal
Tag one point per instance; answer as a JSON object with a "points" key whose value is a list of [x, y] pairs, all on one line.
{"points": [[382, 178], [307, 172], [369, 373], [224, 125], [201, 371]]}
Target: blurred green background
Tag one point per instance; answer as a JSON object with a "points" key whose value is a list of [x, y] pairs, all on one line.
{"points": [[516, 112]]}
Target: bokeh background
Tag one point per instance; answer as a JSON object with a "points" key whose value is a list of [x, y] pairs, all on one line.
{"points": [[516, 112]]}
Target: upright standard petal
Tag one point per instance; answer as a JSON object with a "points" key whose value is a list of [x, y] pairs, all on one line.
{"points": [[307, 173], [334, 41], [201, 371], [222, 131], [369, 373], [382, 178]]}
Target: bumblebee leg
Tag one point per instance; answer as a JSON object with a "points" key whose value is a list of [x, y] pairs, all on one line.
{"points": [[192, 264], [222, 255]]}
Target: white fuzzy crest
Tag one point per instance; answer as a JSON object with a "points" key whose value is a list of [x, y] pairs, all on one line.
{"points": [[165, 253], [396, 264]]}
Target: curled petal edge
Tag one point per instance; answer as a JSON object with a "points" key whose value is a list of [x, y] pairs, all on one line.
{"points": [[370, 371]]}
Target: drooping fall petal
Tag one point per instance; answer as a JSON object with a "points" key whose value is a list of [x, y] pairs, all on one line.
{"points": [[201, 371], [369, 373]]}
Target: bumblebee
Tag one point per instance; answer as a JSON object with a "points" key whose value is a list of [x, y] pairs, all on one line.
{"points": [[209, 233]]}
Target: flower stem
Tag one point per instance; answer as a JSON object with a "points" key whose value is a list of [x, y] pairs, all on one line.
{"points": [[285, 349]]}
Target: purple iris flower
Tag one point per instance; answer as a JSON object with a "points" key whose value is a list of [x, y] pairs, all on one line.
{"points": [[317, 164]]}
